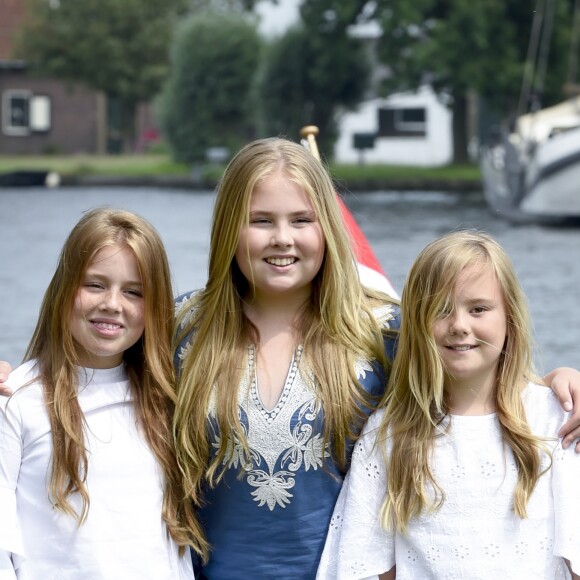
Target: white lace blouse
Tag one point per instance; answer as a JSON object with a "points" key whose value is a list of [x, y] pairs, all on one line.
{"points": [[475, 534]]}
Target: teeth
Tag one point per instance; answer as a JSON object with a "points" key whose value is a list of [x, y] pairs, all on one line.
{"points": [[467, 347], [106, 326], [280, 261]]}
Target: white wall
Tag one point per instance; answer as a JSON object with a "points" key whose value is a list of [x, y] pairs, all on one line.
{"points": [[435, 148]]}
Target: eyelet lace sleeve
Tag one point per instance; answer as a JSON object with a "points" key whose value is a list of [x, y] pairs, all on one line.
{"points": [[566, 478], [356, 545]]}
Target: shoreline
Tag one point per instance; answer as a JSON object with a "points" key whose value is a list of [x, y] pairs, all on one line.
{"points": [[189, 183]]}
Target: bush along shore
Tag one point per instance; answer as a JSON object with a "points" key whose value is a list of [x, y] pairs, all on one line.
{"points": [[160, 171]]}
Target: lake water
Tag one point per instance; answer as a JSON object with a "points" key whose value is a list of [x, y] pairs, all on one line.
{"points": [[34, 224]]}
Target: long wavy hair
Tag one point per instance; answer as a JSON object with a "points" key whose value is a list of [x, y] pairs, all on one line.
{"points": [[149, 365], [336, 325], [416, 402]]}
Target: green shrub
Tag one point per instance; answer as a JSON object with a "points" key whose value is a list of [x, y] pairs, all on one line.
{"points": [[206, 101]]}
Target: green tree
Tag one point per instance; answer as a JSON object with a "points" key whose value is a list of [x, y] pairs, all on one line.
{"points": [[119, 47], [460, 45], [207, 99], [314, 71]]}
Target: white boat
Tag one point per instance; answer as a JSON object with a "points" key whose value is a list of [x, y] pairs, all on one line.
{"points": [[532, 173]]}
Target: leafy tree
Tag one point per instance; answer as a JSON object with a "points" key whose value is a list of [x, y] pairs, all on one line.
{"points": [[116, 46], [313, 71], [461, 45], [207, 99]]}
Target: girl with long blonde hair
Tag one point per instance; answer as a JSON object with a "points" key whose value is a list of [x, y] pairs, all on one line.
{"points": [[282, 356], [461, 473], [89, 482]]}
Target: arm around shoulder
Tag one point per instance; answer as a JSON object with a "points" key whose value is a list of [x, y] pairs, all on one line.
{"points": [[5, 370], [565, 382]]}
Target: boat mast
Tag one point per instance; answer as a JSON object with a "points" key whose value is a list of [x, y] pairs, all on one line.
{"points": [[537, 58], [571, 87]]}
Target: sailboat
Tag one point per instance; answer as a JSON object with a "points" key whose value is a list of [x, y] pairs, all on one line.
{"points": [[531, 173]]}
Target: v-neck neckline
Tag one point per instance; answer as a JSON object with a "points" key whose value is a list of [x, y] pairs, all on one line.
{"points": [[270, 415]]}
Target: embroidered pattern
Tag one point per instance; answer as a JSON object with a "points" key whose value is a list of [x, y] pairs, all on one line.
{"points": [[285, 440], [282, 441]]}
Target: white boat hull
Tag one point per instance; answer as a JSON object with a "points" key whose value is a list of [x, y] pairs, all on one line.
{"points": [[537, 183]]}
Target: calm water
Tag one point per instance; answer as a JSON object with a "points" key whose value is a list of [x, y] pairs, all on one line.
{"points": [[35, 222]]}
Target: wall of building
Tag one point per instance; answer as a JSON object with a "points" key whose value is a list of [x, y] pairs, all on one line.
{"points": [[11, 17], [433, 148], [76, 117]]}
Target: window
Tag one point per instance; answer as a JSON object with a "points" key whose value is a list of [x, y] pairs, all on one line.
{"points": [[24, 113], [402, 122]]}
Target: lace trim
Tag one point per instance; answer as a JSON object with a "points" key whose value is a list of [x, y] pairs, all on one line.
{"points": [[269, 416]]}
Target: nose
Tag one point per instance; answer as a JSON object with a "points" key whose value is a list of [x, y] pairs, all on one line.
{"points": [[111, 300], [282, 235], [457, 323]]}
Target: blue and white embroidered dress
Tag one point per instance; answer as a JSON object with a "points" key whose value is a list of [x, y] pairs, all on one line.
{"points": [[269, 519]]}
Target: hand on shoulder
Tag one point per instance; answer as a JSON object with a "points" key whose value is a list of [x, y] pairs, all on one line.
{"points": [[5, 370]]}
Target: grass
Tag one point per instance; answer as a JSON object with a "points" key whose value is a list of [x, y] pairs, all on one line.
{"points": [[142, 165], [130, 165], [396, 172]]}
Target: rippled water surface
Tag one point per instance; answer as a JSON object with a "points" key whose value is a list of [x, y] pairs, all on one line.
{"points": [[35, 222]]}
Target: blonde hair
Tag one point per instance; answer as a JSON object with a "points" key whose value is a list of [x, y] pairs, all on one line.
{"points": [[416, 402], [149, 364], [336, 326]]}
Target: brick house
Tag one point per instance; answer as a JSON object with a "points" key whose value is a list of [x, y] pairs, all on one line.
{"points": [[40, 115]]}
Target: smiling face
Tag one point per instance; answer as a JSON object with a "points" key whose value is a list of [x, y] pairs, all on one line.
{"points": [[281, 250], [108, 315], [471, 338]]}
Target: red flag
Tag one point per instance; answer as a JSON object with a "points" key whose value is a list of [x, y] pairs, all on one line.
{"points": [[370, 270]]}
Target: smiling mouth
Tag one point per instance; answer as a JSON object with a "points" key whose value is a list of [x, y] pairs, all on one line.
{"points": [[106, 326], [280, 261], [462, 347]]}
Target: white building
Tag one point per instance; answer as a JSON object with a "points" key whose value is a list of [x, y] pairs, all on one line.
{"points": [[403, 129]]}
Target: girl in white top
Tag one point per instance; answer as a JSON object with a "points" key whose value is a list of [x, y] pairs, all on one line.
{"points": [[89, 484], [461, 474]]}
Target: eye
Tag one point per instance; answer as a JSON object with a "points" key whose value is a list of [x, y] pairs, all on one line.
{"points": [[259, 220], [95, 285], [444, 312], [134, 292], [479, 309]]}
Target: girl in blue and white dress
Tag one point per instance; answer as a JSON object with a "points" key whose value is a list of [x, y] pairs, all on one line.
{"points": [[89, 483], [461, 474], [282, 357]]}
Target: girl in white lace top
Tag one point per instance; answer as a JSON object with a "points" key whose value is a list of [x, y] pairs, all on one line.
{"points": [[460, 474]]}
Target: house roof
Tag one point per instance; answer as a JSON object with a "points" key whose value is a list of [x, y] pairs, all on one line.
{"points": [[11, 17]]}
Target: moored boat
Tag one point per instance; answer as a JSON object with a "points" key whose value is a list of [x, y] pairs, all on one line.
{"points": [[532, 173]]}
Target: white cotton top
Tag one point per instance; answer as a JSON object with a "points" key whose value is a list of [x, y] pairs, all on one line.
{"points": [[124, 536], [475, 534]]}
